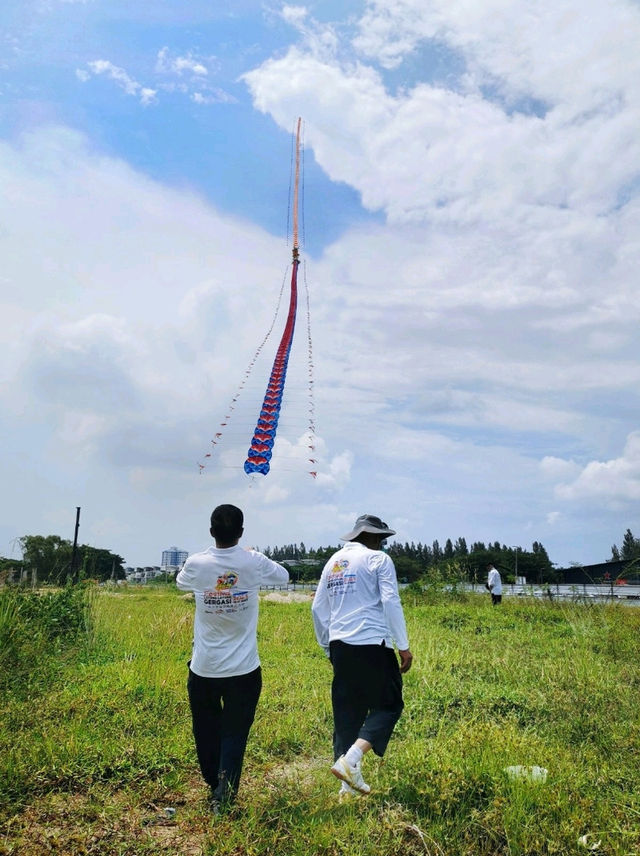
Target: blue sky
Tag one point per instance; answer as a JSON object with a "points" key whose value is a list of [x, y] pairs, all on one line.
{"points": [[471, 214], [234, 155]]}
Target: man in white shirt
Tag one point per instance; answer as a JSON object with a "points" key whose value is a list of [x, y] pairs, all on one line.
{"points": [[494, 584], [225, 678], [357, 617]]}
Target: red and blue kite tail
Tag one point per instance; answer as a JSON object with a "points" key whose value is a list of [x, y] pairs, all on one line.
{"points": [[260, 451]]}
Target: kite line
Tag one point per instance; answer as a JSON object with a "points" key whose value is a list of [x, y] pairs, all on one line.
{"points": [[261, 448], [217, 437]]}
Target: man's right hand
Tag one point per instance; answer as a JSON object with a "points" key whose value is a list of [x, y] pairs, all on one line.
{"points": [[406, 658]]}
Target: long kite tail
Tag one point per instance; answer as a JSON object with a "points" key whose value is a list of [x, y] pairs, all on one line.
{"points": [[217, 438], [261, 449]]}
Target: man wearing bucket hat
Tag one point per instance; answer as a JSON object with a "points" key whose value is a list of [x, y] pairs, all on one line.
{"points": [[357, 617]]}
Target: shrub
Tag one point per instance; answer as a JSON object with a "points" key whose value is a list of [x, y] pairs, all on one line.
{"points": [[35, 626]]}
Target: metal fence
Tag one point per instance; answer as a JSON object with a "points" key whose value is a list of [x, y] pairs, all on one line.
{"points": [[571, 591]]}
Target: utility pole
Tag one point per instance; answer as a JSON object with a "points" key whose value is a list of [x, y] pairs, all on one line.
{"points": [[75, 546], [516, 549]]}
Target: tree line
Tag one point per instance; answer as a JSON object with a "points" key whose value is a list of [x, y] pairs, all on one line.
{"points": [[453, 560], [47, 559]]}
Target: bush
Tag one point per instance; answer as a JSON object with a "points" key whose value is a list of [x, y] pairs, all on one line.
{"points": [[35, 627]]}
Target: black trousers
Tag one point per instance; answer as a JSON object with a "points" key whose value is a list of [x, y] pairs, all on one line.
{"points": [[222, 713], [366, 695]]}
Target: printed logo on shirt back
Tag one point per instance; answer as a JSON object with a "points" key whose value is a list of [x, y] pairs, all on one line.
{"points": [[225, 598], [226, 581], [341, 580]]}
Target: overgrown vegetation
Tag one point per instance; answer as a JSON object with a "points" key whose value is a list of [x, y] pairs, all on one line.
{"points": [[37, 628], [89, 763]]}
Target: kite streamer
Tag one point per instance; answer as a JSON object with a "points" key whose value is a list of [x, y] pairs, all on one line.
{"points": [[259, 455], [310, 381], [261, 448], [217, 438]]}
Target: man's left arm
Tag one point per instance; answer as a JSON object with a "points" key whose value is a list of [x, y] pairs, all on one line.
{"points": [[393, 611], [185, 578], [321, 614], [271, 573]]}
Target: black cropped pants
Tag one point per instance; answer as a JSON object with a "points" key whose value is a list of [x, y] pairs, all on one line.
{"points": [[366, 695]]}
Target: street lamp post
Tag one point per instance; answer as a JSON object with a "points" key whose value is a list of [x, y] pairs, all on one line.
{"points": [[516, 562]]}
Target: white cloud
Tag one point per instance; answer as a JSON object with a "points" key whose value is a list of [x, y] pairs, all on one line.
{"points": [[213, 96], [127, 343], [616, 481], [493, 226], [122, 78], [481, 158], [470, 343], [191, 76], [196, 66], [569, 52], [557, 468], [320, 39], [84, 364], [188, 75], [337, 474], [147, 95], [497, 302], [295, 15]]}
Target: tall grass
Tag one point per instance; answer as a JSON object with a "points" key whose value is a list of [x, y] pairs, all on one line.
{"points": [[36, 627], [99, 755]]}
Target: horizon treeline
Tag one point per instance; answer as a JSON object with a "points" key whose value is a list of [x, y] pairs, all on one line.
{"points": [[47, 559], [453, 560]]}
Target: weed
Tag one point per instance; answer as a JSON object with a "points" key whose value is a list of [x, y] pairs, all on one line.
{"points": [[88, 762]]}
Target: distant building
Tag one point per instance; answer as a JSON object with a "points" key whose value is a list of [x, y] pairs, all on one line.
{"points": [[143, 575], [615, 572], [173, 559]]}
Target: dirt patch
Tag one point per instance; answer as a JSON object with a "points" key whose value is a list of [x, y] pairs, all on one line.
{"points": [[108, 824], [301, 770], [288, 596]]}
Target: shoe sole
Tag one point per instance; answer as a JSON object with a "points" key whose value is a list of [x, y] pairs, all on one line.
{"points": [[344, 778]]}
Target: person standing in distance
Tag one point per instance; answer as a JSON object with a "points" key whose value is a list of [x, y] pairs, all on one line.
{"points": [[357, 617], [494, 584], [225, 678]]}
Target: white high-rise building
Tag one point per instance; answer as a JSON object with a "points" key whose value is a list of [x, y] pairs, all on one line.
{"points": [[173, 559]]}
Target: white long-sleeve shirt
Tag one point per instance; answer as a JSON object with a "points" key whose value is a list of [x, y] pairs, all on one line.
{"points": [[357, 600], [494, 581], [225, 583]]}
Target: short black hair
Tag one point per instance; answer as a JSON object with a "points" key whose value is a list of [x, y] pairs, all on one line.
{"points": [[226, 523]]}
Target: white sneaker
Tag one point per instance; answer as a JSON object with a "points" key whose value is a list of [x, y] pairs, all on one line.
{"points": [[346, 792], [351, 775]]}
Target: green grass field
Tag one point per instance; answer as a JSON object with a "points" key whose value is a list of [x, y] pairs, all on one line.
{"points": [[95, 745]]}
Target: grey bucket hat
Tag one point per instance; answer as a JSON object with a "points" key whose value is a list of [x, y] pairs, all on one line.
{"points": [[368, 523]]}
